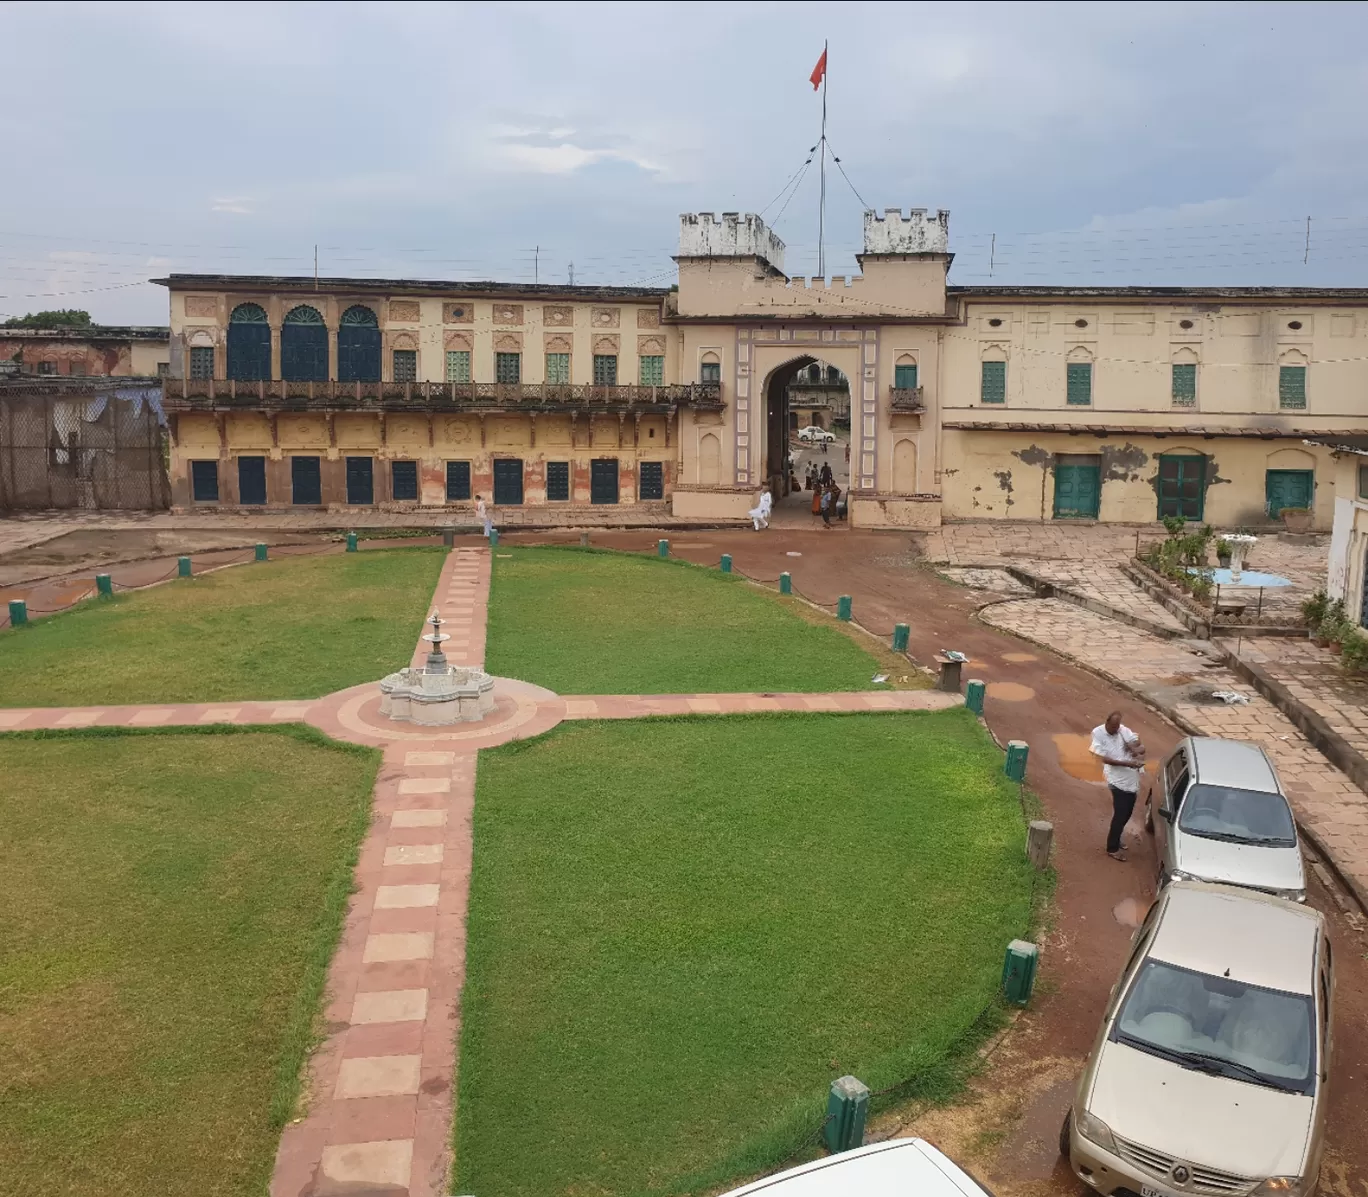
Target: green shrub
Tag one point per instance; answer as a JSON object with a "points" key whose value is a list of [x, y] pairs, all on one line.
{"points": [[1313, 609]]}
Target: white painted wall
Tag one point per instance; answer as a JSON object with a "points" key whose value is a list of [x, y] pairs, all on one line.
{"points": [[702, 235]]}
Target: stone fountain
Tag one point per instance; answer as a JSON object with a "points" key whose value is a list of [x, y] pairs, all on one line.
{"points": [[439, 693]]}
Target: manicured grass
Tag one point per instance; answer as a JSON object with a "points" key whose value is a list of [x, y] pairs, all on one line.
{"points": [[171, 903], [613, 623], [294, 628], [682, 930]]}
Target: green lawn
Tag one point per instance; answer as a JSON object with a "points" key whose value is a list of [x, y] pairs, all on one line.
{"points": [[613, 623], [682, 930], [294, 628], [171, 902]]}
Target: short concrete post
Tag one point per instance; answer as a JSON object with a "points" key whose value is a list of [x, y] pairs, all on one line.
{"points": [[104, 585], [1015, 765], [493, 538], [18, 613], [785, 583], [973, 695], [726, 563], [950, 669], [901, 632], [662, 548], [1039, 837], [449, 536], [182, 567], [843, 608], [351, 542], [261, 552], [847, 1106], [584, 540]]}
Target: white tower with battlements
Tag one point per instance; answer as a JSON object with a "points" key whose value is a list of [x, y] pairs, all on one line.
{"points": [[702, 235], [917, 233]]}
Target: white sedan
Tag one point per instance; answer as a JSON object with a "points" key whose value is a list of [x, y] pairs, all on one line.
{"points": [[895, 1168], [814, 435]]}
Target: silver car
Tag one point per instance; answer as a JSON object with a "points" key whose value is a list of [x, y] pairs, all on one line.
{"points": [[1218, 813], [1208, 1076]]}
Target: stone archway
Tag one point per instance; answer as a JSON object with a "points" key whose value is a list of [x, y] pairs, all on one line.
{"points": [[772, 458]]}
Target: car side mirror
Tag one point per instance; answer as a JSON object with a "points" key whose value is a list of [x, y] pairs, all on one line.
{"points": [[1166, 814]]}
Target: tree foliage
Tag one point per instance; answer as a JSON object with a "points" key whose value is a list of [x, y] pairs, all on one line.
{"points": [[61, 318]]}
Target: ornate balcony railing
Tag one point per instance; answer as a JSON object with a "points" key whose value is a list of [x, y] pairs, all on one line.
{"points": [[195, 392], [905, 399]]}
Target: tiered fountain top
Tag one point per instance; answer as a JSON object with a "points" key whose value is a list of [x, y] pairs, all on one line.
{"points": [[439, 693]]}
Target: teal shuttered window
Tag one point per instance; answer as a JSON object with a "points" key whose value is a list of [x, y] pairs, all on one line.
{"points": [[558, 367], [1184, 384], [458, 365], [905, 377], [993, 382], [1292, 388], [508, 368], [1078, 392], [652, 371]]}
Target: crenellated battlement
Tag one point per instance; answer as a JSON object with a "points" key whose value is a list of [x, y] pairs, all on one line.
{"points": [[703, 235], [918, 233]]}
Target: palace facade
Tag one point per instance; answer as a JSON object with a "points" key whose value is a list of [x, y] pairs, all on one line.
{"points": [[1111, 403]]}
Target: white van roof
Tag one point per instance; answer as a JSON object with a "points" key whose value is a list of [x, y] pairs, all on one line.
{"points": [[895, 1168]]}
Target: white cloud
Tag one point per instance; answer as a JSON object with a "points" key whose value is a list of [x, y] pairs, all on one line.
{"points": [[241, 205], [565, 158]]}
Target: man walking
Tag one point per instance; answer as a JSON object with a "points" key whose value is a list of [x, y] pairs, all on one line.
{"points": [[1123, 756], [482, 514]]}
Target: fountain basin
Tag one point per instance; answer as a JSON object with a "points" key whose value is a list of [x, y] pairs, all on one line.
{"points": [[453, 694]]}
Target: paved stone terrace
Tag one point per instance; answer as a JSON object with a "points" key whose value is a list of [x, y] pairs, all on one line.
{"points": [[1108, 586], [1177, 676], [381, 1086]]}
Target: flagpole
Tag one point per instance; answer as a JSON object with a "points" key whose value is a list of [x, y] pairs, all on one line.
{"points": [[821, 207]]}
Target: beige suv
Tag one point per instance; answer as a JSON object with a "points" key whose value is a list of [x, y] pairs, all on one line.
{"points": [[1208, 1075]]}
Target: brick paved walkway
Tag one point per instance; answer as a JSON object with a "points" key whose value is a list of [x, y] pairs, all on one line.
{"points": [[1106, 586], [1178, 677]]}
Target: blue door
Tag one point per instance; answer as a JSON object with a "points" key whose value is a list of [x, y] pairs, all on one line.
{"points": [[603, 480], [304, 346], [360, 481], [1078, 492], [249, 344], [306, 482], [358, 345], [508, 481], [252, 481]]}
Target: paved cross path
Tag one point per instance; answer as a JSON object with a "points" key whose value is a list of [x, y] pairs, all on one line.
{"points": [[381, 1086]]}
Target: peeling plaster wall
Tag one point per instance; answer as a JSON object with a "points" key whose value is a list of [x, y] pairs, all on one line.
{"points": [[1003, 475]]}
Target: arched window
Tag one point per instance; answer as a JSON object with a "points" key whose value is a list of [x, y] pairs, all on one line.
{"points": [[249, 343], [710, 368], [304, 346], [358, 345]]}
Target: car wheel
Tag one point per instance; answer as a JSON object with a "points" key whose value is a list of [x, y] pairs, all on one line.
{"points": [[1064, 1134]]}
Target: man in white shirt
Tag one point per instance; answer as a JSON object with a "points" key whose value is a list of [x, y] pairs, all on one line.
{"points": [[1123, 756], [482, 514]]}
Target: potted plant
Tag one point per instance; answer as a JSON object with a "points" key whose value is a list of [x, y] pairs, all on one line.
{"points": [[1354, 655], [1223, 553], [1296, 519], [1313, 611]]}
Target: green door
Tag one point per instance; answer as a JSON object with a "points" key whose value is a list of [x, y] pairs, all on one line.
{"points": [[1288, 488], [1182, 485], [1078, 492]]}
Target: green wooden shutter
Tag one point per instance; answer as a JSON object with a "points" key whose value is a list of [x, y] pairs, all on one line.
{"points": [[1184, 384], [405, 365], [993, 383], [1292, 387], [458, 365], [605, 369], [905, 378], [1078, 389], [558, 367], [652, 371], [508, 368]]}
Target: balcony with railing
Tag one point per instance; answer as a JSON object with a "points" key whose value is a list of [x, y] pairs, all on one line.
{"points": [[906, 399], [190, 394]]}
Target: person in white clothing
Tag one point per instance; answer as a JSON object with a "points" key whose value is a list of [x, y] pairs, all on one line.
{"points": [[1123, 757], [482, 514], [761, 512]]}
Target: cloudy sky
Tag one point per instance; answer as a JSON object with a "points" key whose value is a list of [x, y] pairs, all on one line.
{"points": [[1161, 143]]}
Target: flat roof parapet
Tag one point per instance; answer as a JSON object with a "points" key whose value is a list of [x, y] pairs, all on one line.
{"points": [[703, 235]]}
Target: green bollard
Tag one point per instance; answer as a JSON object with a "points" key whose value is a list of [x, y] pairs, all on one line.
{"points": [[843, 608], [493, 538], [104, 585], [1015, 767], [726, 563], [973, 695], [662, 548], [261, 552], [900, 634], [182, 567], [18, 613], [785, 584], [1019, 971], [351, 542], [847, 1105]]}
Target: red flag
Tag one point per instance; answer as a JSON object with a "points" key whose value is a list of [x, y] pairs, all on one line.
{"points": [[819, 71]]}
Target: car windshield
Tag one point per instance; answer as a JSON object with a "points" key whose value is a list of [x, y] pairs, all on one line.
{"points": [[1243, 816], [1222, 1026]]}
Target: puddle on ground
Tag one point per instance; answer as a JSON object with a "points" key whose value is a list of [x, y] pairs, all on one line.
{"points": [[1010, 692], [1129, 912], [1077, 760], [1019, 657]]}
